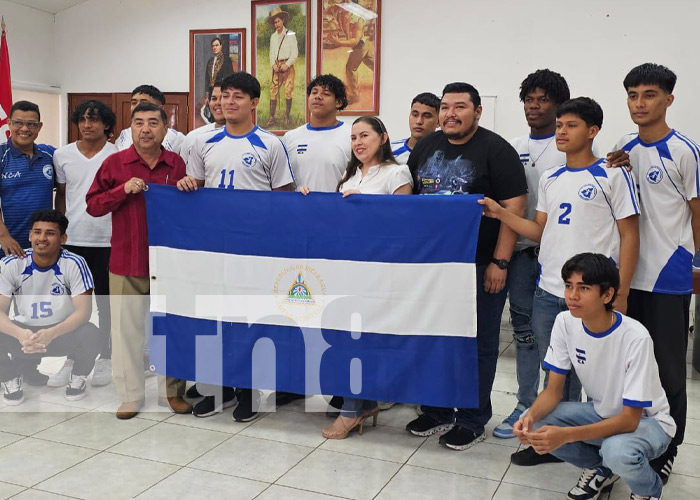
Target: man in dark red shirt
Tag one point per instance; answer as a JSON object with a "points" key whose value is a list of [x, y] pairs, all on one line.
{"points": [[117, 189]]}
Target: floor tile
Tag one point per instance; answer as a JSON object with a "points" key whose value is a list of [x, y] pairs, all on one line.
{"points": [[687, 461], [33, 494], [506, 382], [506, 364], [252, 458], [310, 404], [172, 444], [513, 443], [276, 492], [150, 410], [383, 443], [502, 402], [508, 491], [291, 427], [8, 490], [34, 416], [339, 474], [94, 430], [46, 459], [694, 408], [483, 460], [555, 477], [7, 439], [418, 483], [190, 483], [94, 398], [398, 416], [222, 422], [114, 477], [681, 487]]}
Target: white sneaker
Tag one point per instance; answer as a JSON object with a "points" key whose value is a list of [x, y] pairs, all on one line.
{"points": [[102, 375], [62, 377]]}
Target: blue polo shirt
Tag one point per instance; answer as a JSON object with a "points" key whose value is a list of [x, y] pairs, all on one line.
{"points": [[26, 185]]}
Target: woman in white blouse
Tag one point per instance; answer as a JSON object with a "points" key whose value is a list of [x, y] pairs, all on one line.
{"points": [[372, 169]]}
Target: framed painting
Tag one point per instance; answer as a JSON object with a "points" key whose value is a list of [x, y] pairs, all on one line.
{"points": [[214, 54], [280, 52], [349, 37]]}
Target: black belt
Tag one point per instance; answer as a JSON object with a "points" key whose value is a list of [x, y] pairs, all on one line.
{"points": [[532, 251]]}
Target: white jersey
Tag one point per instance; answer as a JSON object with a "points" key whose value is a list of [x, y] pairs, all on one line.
{"points": [[666, 173], [384, 179], [616, 367], [44, 296], [318, 155], [77, 172], [172, 142], [583, 206], [257, 161], [401, 151], [537, 155], [188, 142]]}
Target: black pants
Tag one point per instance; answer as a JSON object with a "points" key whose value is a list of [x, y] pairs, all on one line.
{"points": [[667, 317], [97, 259], [83, 342]]}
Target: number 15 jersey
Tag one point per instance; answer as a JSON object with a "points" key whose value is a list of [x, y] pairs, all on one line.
{"points": [[583, 206]]}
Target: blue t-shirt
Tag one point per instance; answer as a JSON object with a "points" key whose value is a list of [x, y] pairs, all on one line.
{"points": [[26, 185]]}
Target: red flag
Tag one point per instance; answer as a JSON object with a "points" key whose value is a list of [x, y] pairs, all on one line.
{"points": [[5, 87]]}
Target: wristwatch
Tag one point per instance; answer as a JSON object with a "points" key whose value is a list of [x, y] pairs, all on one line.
{"points": [[501, 263]]}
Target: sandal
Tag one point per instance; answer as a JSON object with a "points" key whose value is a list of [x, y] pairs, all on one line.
{"points": [[342, 426]]}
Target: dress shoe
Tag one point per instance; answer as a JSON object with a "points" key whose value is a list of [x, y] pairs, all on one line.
{"points": [[177, 404], [129, 409]]}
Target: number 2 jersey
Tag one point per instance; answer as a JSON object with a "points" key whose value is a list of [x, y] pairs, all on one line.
{"points": [[667, 178], [256, 161], [44, 296], [583, 206]]}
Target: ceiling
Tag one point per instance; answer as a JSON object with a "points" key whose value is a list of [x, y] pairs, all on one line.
{"points": [[50, 6]]}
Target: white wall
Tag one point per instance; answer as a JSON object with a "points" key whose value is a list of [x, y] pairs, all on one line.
{"points": [[30, 39], [109, 46]]}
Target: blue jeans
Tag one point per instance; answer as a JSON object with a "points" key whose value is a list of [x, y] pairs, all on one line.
{"points": [[489, 308], [353, 407], [545, 308], [521, 284], [627, 455]]}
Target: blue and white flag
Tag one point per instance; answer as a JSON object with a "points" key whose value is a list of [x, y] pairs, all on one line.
{"points": [[369, 296]]}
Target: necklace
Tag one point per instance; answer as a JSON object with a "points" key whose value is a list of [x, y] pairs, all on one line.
{"points": [[534, 162]]}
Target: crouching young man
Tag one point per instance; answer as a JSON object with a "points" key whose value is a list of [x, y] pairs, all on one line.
{"points": [[52, 290], [626, 423]]}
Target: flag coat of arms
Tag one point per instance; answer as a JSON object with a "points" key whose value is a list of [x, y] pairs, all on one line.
{"points": [[369, 296]]}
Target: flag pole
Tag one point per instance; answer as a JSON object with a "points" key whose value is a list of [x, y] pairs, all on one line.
{"points": [[2, 24]]}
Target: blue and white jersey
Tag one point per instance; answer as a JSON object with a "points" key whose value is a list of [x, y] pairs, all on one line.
{"points": [[537, 154], [616, 367], [401, 151], [44, 296], [583, 206], [172, 142], [257, 161], [666, 174], [188, 142], [318, 155], [26, 185]]}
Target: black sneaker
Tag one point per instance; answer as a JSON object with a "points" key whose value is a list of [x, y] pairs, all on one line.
{"points": [[284, 398], [592, 483], [35, 378], [76, 388], [208, 407], [248, 404], [461, 438], [193, 393], [527, 457], [425, 425], [663, 465], [12, 393]]}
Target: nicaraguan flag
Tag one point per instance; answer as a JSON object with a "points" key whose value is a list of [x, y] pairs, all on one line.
{"points": [[369, 296]]}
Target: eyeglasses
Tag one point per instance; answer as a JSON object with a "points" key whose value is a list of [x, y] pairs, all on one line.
{"points": [[21, 123]]}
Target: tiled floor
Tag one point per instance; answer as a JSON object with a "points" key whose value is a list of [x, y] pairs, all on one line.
{"points": [[52, 449]]}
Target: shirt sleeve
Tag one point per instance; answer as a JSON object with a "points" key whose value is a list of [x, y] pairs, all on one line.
{"points": [[124, 140], [7, 284], [542, 195], [195, 159], [175, 140], [106, 194], [623, 193], [78, 275], [557, 358], [688, 166], [58, 168], [400, 176], [293, 49], [506, 172], [640, 366], [280, 169]]}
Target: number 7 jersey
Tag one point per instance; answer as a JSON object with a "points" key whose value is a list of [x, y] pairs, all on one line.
{"points": [[583, 206]]}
